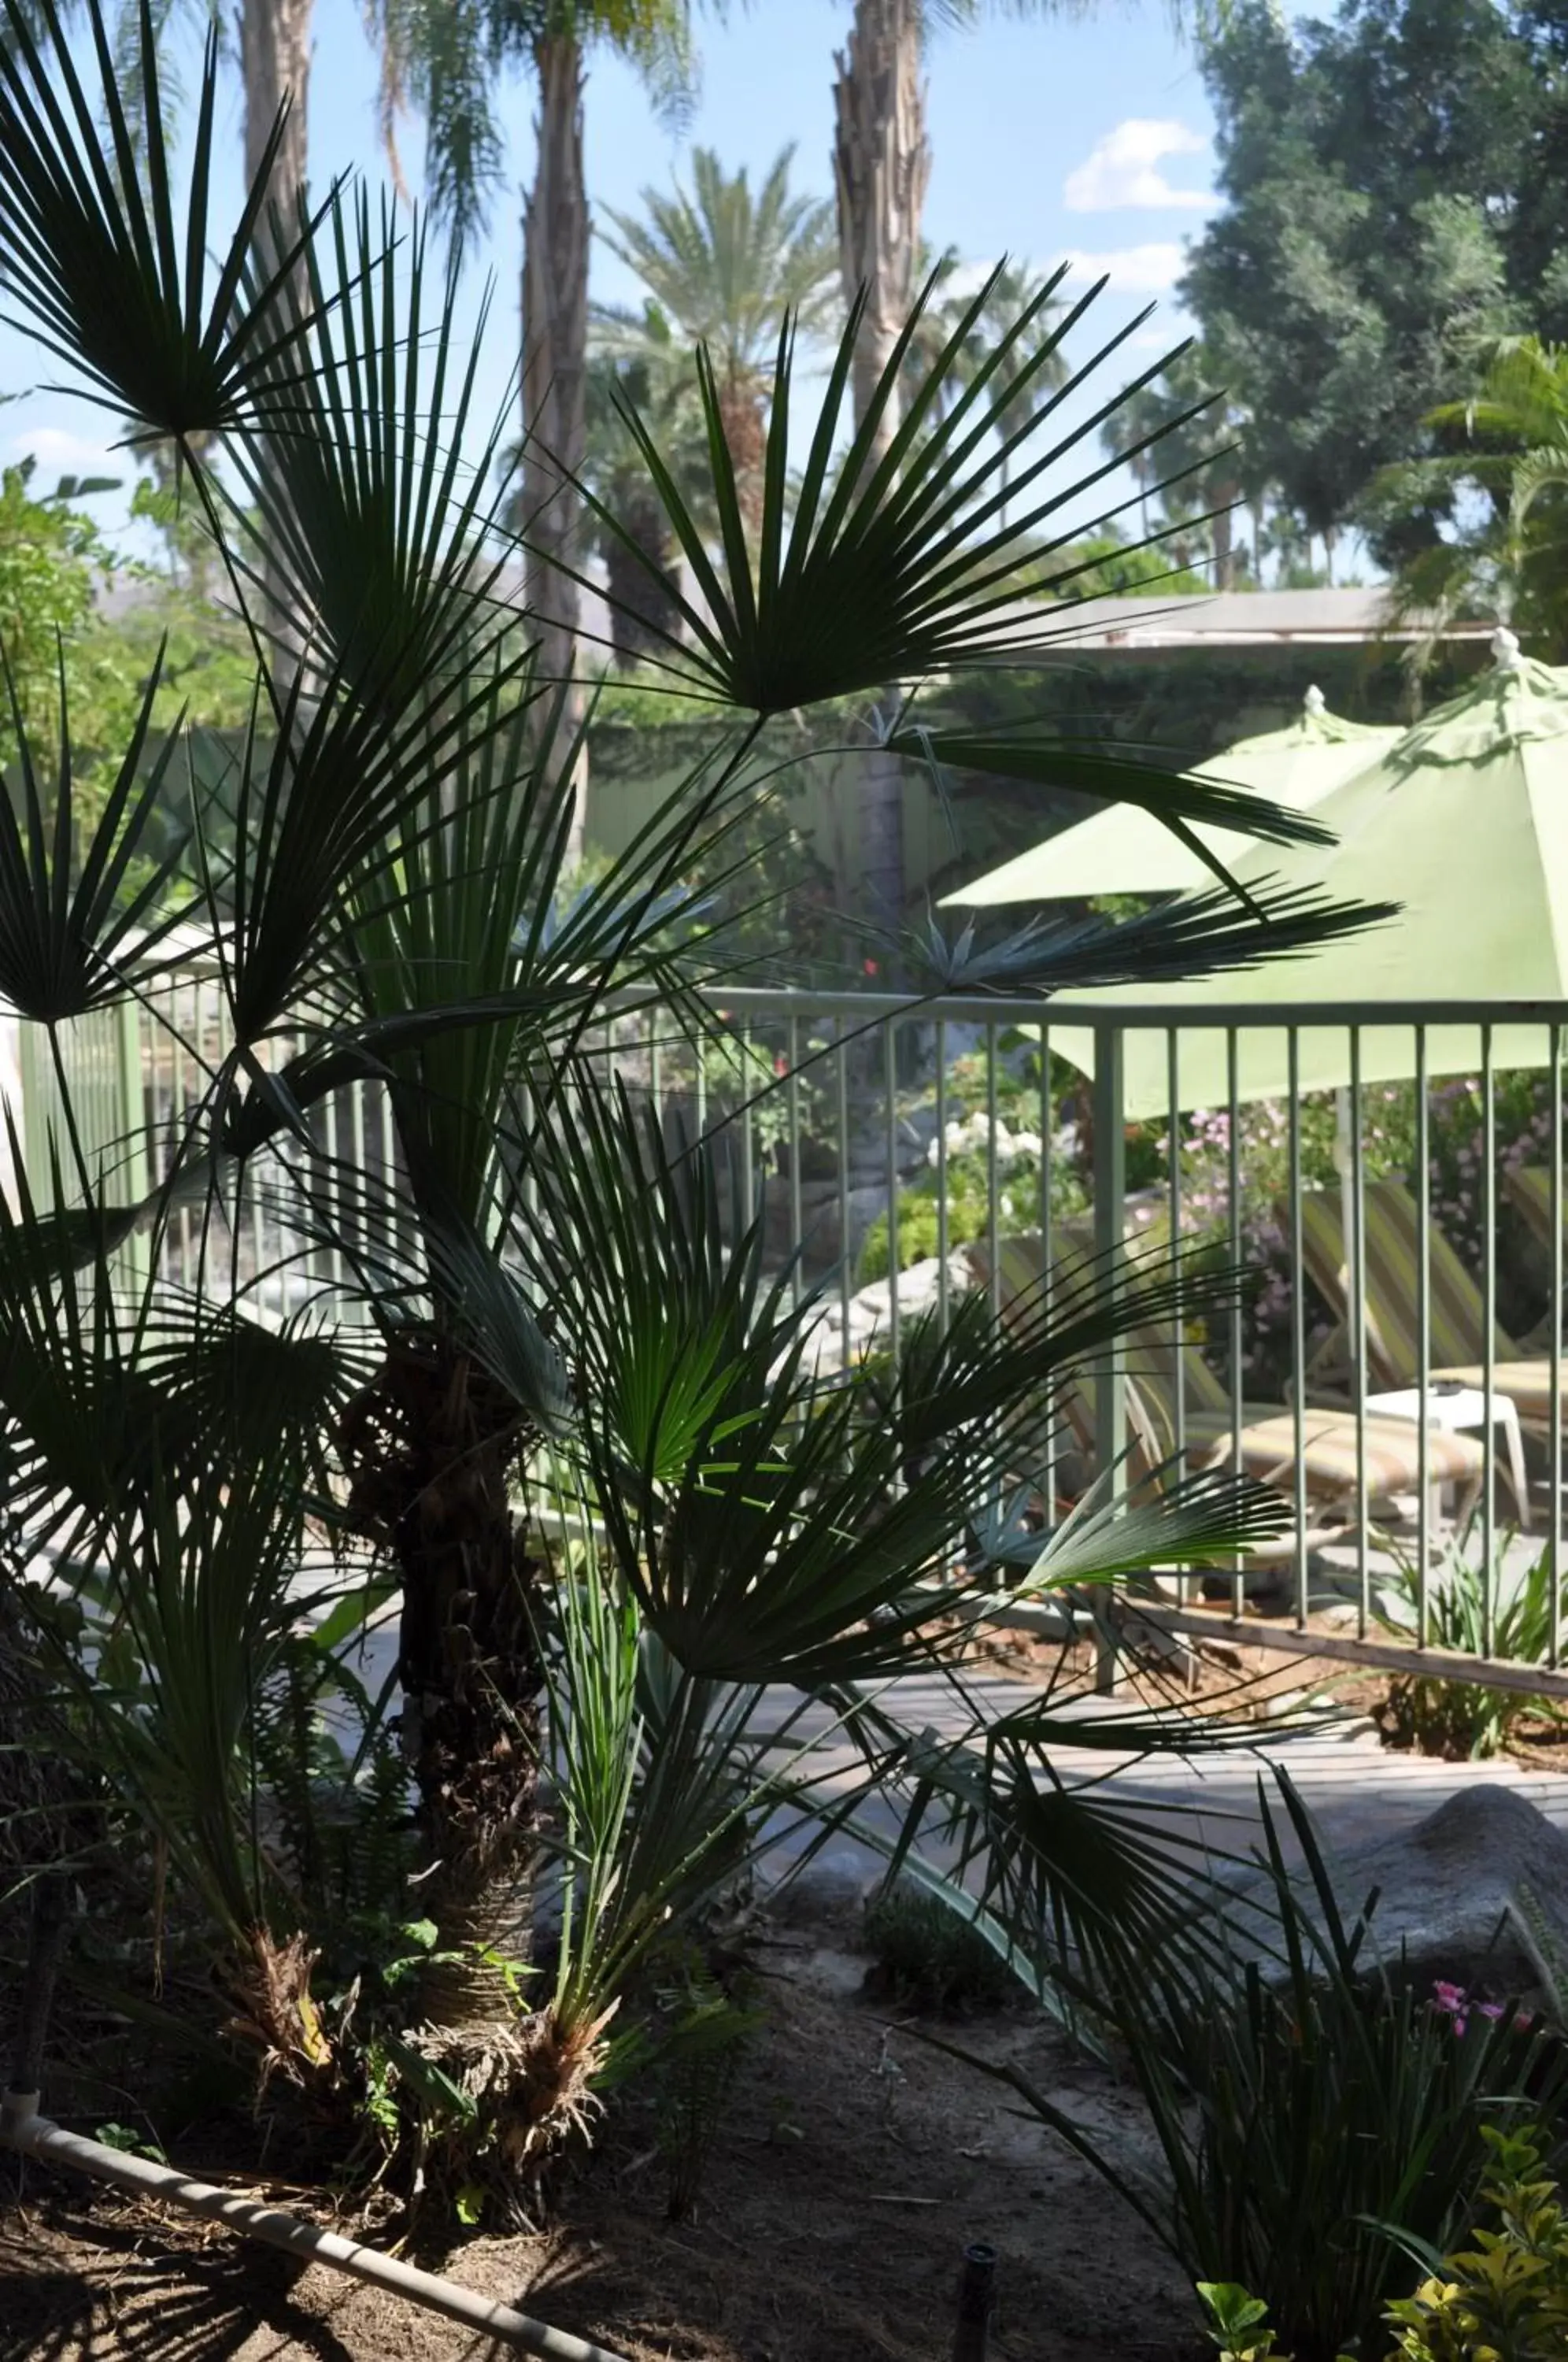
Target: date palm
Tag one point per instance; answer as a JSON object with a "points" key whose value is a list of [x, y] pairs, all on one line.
{"points": [[546, 1299], [1507, 442], [723, 266]]}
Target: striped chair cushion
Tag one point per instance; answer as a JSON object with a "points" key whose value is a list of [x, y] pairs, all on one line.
{"points": [[1530, 1189], [1268, 1435], [1456, 1314], [1328, 1453]]}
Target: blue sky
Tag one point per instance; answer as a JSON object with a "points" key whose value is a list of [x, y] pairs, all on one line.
{"points": [[1086, 137]]}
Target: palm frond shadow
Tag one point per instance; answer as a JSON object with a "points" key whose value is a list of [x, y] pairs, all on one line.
{"points": [[196, 2302]]}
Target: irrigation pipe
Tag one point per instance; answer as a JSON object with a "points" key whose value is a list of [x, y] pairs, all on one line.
{"points": [[23, 2129]]}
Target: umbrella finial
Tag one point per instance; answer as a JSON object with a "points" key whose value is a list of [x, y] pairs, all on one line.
{"points": [[1314, 703], [1506, 654]]}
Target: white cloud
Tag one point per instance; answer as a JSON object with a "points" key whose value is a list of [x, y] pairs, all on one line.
{"points": [[1151, 270], [1123, 168], [72, 455], [967, 279]]}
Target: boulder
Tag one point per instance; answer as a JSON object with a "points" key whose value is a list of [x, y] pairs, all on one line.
{"points": [[918, 1288], [1476, 1894]]}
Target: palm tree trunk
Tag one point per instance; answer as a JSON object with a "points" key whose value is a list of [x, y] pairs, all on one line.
{"points": [[1223, 530], [881, 167], [274, 58], [554, 360], [429, 1446]]}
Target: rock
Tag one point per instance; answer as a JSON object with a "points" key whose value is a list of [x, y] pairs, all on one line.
{"points": [[918, 1288], [1476, 1894]]}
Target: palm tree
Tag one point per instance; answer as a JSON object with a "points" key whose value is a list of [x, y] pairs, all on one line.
{"points": [[274, 63], [1507, 440], [445, 61], [1008, 291], [549, 1311], [641, 613], [724, 268], [882, 170], [1178, 428]]}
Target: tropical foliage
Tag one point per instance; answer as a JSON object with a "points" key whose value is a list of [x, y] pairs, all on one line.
{"points": [[1319, 2118], [1383, 213], [1498, 461], [526, 1381]]}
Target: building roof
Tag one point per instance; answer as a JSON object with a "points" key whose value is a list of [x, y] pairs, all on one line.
{"points": [[1234, 619]]}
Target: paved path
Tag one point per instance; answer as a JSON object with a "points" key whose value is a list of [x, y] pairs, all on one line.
{"points": [[1356, 1789]]}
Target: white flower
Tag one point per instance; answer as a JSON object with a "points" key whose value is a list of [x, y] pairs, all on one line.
{"points": [[1006, 1203]]}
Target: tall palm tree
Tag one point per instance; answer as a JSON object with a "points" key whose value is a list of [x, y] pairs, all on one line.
{"points": [[446, 60], [1182, 431], [1010, 290], [722, 266], [882, 169], [274, 63]]}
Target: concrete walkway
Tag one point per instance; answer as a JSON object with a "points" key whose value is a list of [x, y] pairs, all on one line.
{"points": [[1357, 1790]]}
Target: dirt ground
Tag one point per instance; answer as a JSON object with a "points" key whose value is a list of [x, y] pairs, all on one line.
{"points": [[855, 2164]]}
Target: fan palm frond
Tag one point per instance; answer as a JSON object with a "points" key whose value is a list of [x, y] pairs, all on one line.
{"points": [[104, 267], [865, 572]]}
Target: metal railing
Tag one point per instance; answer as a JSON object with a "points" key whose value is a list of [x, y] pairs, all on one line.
{"points": [[871, 1126]]}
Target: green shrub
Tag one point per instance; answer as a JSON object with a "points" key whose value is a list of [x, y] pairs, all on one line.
{"points": [[925, 1954], [1455, 1719], [1238, 2323], [967, 1219], [1503, 2299], [1506, 2298], [1314, 2128]]}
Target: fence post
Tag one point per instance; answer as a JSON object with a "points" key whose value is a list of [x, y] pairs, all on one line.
{"points": [[130, 1131], [1109, 1245]]}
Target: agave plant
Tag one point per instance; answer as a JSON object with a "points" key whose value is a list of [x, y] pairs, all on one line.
{"points": [[538, 1320]]}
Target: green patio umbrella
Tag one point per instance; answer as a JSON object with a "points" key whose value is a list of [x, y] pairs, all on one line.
{"points": [[1464, 821], [1125, 850]]}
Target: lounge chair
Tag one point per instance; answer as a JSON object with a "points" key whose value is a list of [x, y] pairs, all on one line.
{"points": [[1457, 1319], [1529, 1190], [1267, 1443]]}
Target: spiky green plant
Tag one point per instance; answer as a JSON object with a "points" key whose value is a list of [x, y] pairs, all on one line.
{"points": [[381, 908]]}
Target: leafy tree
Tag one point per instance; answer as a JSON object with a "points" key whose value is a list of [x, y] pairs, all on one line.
{"points": [[52, 557], [1376, 169]]}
